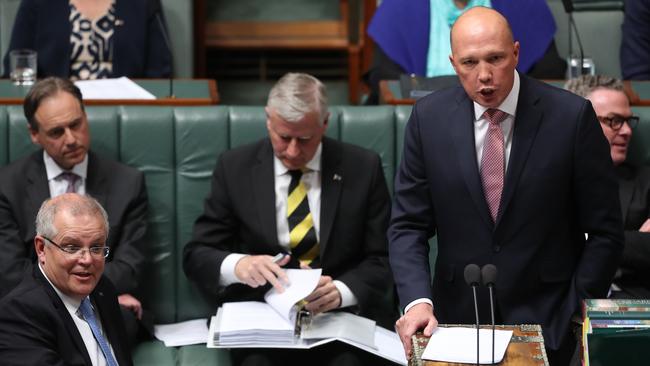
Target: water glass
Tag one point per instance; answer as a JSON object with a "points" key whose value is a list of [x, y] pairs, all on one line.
{"points": [[573, 66], [22, 67]]}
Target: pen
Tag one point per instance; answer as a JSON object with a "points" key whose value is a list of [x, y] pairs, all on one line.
{"points": [[278, 257]]}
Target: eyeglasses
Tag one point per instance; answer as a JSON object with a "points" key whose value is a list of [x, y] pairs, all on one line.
{"points": [[616, 122], [75, 250]]}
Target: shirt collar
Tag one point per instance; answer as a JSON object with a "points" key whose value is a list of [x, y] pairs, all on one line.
{"points": [[53, 169], [71, 304], [313, 165], [509, 105]]}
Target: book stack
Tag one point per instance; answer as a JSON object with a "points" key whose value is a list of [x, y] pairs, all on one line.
{"points": [[615, 331]]}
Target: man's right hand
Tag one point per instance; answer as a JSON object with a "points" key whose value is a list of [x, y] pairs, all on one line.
{"points": [[257, 270], [418, 317]]}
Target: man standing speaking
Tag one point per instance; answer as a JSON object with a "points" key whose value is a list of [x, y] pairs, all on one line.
{"points": [[509, 171]]}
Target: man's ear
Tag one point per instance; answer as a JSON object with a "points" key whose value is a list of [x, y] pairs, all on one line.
{"points": [[33, 135], [39, 247]]}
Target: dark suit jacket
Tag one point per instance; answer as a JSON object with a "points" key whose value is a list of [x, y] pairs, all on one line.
{"points": [[37, 329], [120, 190], [635, 43], [239, 216], [633, 275], [559, 184], [139, 47]]}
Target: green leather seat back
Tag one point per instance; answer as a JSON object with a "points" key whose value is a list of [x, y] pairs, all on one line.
{"points": [[402, 114], [20, 144], [147, 143], [154, 353], [373, 129], [4, 136], [639, 150], [201, 135], [199, 355]]}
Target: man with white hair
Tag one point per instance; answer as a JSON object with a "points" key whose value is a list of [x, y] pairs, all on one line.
{"points": [[323, 203]]}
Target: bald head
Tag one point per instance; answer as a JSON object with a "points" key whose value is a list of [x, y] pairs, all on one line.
{"points": [[480, 19], [484, 55]]}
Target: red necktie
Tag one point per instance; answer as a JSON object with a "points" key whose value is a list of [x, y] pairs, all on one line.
{"points": [[493, 161]]}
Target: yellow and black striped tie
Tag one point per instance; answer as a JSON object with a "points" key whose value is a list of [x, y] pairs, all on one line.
{"points": [[302, 235]]}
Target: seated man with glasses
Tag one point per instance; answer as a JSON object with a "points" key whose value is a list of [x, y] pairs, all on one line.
{"points": [[612, 107], [65, 312], [58, 124]]}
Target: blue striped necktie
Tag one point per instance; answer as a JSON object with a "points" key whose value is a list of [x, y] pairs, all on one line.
{"points": [[89, 316]]}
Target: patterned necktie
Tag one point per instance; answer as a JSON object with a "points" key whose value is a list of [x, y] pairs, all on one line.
{"points": [[89, 316], [302, 235], [493, 161], [72, 179]]}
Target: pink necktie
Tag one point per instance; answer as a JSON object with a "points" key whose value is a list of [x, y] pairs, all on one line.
{"points": [[72, 179], [493, 161]]}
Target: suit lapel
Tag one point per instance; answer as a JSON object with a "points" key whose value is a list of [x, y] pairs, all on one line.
{"points": [[63, 314], [626, 188], [330, 189], [107, 319], [526, 124], [38, 189], [462, 130], [263, 185], [96, 179]]}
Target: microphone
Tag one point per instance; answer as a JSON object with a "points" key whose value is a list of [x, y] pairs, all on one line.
{"points": [[473, 279], [489, 274], [165, 36]]}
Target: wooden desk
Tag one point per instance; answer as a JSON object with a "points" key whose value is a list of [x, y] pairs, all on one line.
{"points": [[638, 92], [187, 92], [526, 347]]}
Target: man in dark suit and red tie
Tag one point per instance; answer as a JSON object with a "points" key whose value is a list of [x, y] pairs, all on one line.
{"points": [[64, 311], [504, 170], [322, 202]]}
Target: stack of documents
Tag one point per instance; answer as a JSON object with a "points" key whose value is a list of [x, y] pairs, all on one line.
{"points": [[275, 324]]}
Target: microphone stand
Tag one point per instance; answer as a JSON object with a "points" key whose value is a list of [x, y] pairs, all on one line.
{"points": [[493, 326], [473, 279]]}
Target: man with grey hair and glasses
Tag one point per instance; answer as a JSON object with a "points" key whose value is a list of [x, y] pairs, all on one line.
{"points": [[612, 106], [320, 202], [65, 311]]}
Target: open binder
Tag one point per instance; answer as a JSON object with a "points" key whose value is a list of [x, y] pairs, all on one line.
{"points": [[280, 322]]}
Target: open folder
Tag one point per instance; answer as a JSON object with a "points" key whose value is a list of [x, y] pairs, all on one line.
{"points": [[277, 323]]}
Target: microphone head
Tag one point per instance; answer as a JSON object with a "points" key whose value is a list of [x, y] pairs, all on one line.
{"points": [[472, 274], [489, 274]]}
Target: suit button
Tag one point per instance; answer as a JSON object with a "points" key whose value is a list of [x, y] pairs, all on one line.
{"points": [[497, 248]]}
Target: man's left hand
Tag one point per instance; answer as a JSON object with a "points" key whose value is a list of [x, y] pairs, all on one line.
{"points": [[131, 303], [325, 297]]}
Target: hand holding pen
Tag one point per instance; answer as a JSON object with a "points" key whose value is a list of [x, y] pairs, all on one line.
{"points": [[258, 270]]}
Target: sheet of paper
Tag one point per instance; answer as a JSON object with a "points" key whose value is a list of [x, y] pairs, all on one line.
{"points": [[388, 346], [183, 333], [120, 88], [458, 344], [341, 325], [301, 283], [246, 315]]}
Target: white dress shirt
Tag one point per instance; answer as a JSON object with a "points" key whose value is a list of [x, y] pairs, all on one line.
{"points": [[57, 184], [72, 306], [312, 181], [481, 124]]}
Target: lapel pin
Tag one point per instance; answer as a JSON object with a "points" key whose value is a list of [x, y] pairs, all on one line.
{"points": [[119, 22], [336, 177]]}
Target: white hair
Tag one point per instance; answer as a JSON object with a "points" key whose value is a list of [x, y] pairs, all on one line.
{"points": [[297, 94]]}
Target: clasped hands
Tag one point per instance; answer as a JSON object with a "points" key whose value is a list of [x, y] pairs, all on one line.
{"points": [[258, 270]]}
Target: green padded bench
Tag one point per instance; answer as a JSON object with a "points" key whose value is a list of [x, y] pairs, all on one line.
{"points": [[177, 149]]}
